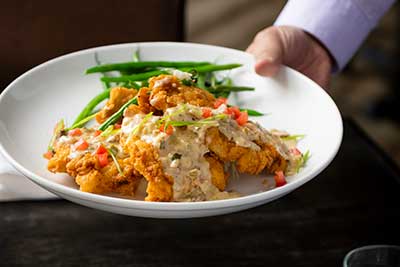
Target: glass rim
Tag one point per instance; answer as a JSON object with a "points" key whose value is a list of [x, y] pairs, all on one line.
{"points": [[351, 252]]}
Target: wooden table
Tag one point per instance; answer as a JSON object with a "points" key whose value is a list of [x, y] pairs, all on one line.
{"points": [[354, 202]]}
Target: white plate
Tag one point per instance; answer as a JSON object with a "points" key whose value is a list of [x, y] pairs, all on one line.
{"points": [[30, 106]]}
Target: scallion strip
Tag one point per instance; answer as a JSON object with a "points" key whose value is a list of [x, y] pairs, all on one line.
{"points": [[303, 160], [82, 122], [57, 130], [117, 115], [115, 161], [144, 120], [293, 137], [87, 111]]}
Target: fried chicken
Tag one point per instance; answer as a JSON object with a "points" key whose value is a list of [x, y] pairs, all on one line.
{"points": [[118, 97], [218, 176], [168, 91], [247, 160], [93, 178], [58, 163], [146, 160]]}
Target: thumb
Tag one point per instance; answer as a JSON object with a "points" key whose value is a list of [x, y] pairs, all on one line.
{"points": [[267, 49]]}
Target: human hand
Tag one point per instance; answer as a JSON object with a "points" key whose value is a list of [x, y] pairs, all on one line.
{"points": [[293, 47]]}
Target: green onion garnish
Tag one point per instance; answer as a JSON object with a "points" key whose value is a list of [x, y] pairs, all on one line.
{"points": [[115, 161], [303, 161], [295, 137], [57, 130]]}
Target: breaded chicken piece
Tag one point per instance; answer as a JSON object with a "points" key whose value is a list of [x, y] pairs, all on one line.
{"points": [[58, 163], [118, 97], [145, 159], [168, 91], [218, 177], [247, 160], [144, 100], [93, 178], [143, 106]]}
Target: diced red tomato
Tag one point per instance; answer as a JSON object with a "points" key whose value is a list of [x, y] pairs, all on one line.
{"points": [[75, 132], [117, 126], [295, 151], [81, 145], [280, 179], [207, 112], [242, 118], [101, 150], [48, 155], [168, 131], [219, 101], [235, 111], [103, 159], [97, 132]]}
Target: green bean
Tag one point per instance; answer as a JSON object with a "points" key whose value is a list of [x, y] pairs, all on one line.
{"points": [[227, 88], [142, 64], [252, 112], [211, 67], [106, 85], [146, 75], [201, 80], [134, 77], [91, 105], [115, 117]]}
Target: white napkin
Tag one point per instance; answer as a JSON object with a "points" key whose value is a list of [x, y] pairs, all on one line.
{"points": [[14, 186]]}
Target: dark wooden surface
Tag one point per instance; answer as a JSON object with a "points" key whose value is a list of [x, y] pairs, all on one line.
{"points": [[33, 32], [354, 202]]}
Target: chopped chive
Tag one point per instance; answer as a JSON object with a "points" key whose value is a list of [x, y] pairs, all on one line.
{"points": [[115, 161], [144, 120], [82, 122], [57, 130], [115, 117], [293, 137], [108, 131], [303, 161], [206, 121]]}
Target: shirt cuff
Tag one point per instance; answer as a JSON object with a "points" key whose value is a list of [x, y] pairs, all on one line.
{"points": [[340, 25]]}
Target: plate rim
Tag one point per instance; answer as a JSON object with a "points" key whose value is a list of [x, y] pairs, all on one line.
{"points": [[55, 187]]}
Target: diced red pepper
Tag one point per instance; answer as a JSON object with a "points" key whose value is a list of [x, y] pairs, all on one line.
{"points": [[219, 101], [81, 145], [75, 132], [295, 151], [207, 112], [117, 126], [103, 159], [242, 118], [48, 155], [101, 150], [168, 131], [235, 111], [97, 132], [280, 179]]}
